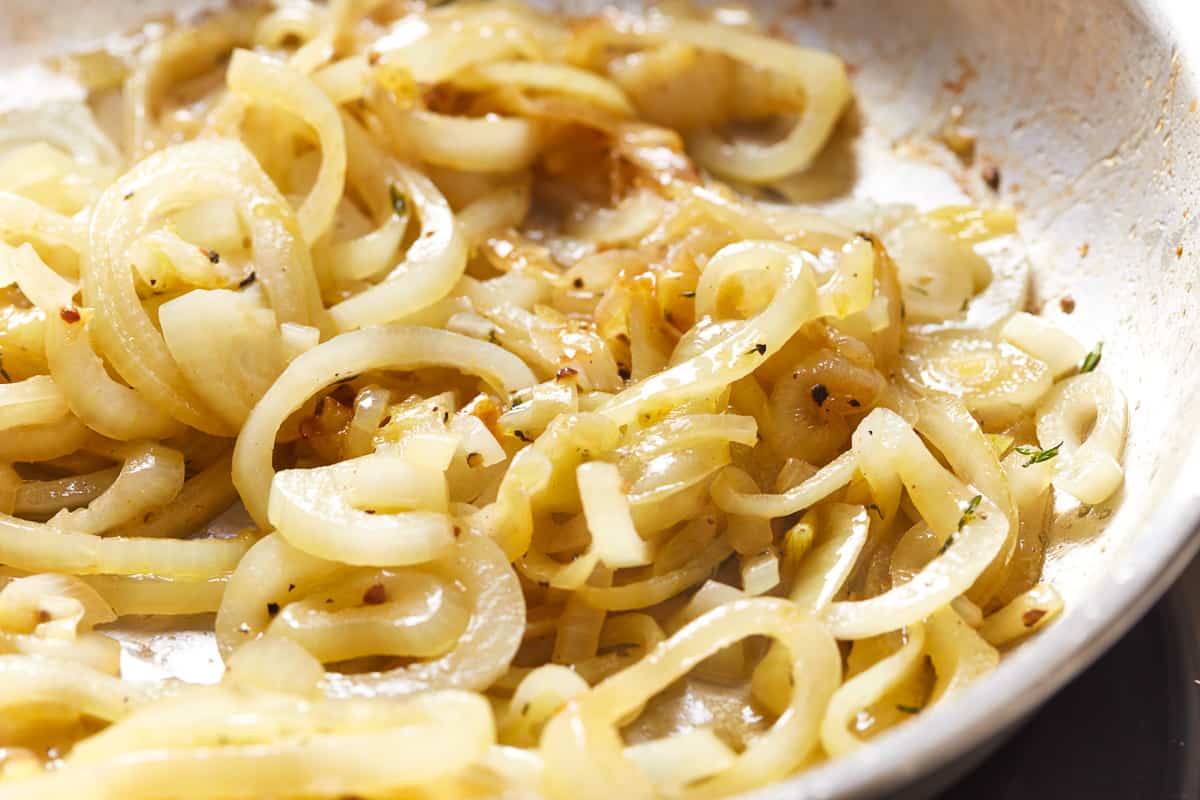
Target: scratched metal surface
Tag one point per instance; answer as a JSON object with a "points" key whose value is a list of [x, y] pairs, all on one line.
{"points": [[1089, 112]]}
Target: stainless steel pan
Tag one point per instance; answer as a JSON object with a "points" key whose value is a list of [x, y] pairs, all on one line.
{"points": [[1089, 112]]}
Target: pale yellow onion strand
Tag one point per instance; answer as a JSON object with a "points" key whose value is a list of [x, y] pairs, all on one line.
{"points": [[150, 594], [884, 440], [262, 80], [866, 688], [204, 496], [486, 648], [183, 175], [229, 349], [826, 88], [455, 731], [150, 477], [388, 347], [583, 749], [793, 304], [959, 655], [33, 443], [1088, 466], [37, 547], [430, 269]]}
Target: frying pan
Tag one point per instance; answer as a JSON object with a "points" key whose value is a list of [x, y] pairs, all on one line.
{"points": [[1085, 118]]}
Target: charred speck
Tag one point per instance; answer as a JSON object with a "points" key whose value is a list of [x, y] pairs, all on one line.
{"points": [[991, 176], [376, 594], [819, 394], [246, 281], [272, 609]]}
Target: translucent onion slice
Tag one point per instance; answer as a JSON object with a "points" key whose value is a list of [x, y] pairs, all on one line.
{"points": [[108, 407], [676, 761], [866, 688], [947, 425], [151, 476], [152, 594], [826, 93], [34, 679], [275, 664], [1044, 341], [938, 274], [43, 498], [582, 747], [1086, 417], [41, 285], [818, 579], [241, 749], [430, 270], [377, 510], [228, 348], [960, 656], [998, 382], [474, 144], [614, 538], [393, 347], [52, 607], [538, 696], [33, 401], [411, 614], [547, 78], [973, 525], [486, 648], [202, 499], [650, 591], [1024, 614], [32, 443], [169, 179], [735, 492], [37, 547], [263, 80], [22, 219], [794, 302]]}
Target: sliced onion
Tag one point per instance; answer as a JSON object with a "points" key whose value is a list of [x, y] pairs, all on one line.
{"points": [[347, 355]]}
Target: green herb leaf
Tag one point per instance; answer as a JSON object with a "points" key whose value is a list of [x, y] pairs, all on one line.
{"points": [[969, 512], [908, 709], [918, 289], [1092, 360], [946, 545], [1037, 456], [399, 203]]}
